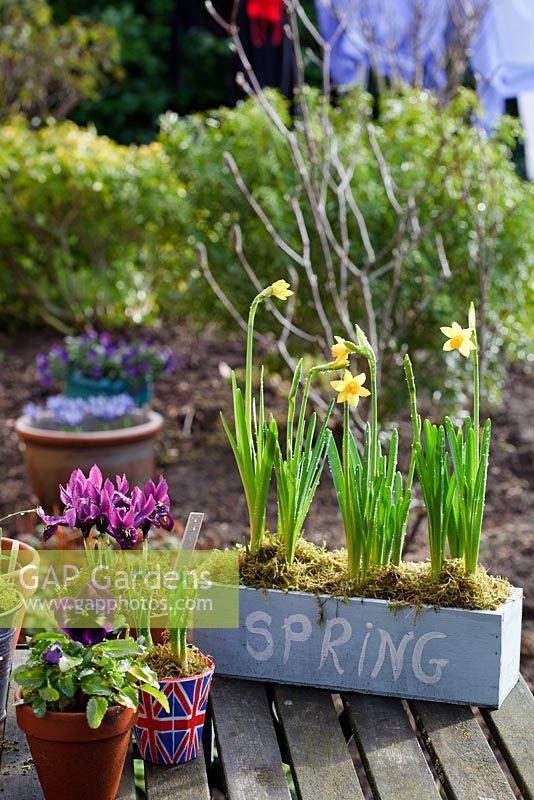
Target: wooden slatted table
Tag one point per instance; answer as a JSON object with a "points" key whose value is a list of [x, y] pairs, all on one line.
{"points": [[266, 742]]}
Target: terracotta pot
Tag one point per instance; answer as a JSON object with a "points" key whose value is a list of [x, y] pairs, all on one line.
{"points": [[51, 456], [73, 760], [174, 737], [23, 578]]}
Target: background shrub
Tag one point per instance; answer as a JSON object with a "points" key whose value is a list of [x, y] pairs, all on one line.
{"points": [[83, 221], [46, 68], [486, 214], [93, 231]]}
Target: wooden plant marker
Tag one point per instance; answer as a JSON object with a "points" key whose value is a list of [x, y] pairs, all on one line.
{"points": [[192, 531]]}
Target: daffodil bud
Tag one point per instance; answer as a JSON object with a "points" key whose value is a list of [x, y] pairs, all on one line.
{"points": [[364, 345], [472, 318]]}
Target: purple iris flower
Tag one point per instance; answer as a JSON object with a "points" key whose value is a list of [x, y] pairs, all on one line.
{"points": [[161, 517], [52, 654], [51, 523], [90, 501], [122, 527]]}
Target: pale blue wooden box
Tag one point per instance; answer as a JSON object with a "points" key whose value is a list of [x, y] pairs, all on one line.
{"points": [[448, 655]]}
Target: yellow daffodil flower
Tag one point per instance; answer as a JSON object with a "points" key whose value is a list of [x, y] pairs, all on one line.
{"points": [[350, 388], [340, 352], [458, 339], [281, 290]]}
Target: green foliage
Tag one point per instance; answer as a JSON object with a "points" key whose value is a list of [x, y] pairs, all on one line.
{"points": [[372, 498], [433, 152], [64, 675], [47, 69], [470, 461], [253, 441], [9, 598], [374, 506], [85, 225], [298, 471], [435, 481], [453, 481], [129, 108], [254, 453]]}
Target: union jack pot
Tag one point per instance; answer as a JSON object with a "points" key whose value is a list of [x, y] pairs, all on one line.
{"points": [[174, 737]]}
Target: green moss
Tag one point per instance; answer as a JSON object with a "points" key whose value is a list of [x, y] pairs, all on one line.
{"points": [[9, 597], [166, 665], [321, 571]]}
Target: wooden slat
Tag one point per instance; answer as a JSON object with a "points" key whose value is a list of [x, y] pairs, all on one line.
{"points": [[320, 760], [512, 727], [185, 781], [127, 784], [246, 741], [464, 760], [389, 749], [19, 778]]}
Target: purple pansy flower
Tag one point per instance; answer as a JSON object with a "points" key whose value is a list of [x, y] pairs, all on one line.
{"points": [[52, 654], [87, 636]]}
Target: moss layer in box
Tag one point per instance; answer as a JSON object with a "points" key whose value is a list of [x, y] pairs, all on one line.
{"points": [[321, 571], [166, 665]]}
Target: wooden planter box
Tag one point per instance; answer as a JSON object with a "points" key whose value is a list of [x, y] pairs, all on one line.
{"points": [[448, 655]]}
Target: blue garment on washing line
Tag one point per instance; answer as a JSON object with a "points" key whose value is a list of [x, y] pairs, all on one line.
{"points": [[385, 34], [503, 54], [382, 33]]}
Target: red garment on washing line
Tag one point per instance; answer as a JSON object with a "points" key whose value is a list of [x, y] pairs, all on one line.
{"points": [[265, 15]]}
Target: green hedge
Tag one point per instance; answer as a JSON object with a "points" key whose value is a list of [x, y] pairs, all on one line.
{"points": [[409, 129], [83, 224], [94, 231]]}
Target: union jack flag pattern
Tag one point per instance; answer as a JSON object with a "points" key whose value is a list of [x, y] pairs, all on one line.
{"points": [[174, 737]]}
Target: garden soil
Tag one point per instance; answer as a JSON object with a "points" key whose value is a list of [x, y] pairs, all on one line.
{"points": [[193, 455]]}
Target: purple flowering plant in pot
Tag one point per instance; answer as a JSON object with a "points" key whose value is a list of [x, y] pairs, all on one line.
{"points": [[99, 364], [77, 704], [68, 432], [111, 518]]}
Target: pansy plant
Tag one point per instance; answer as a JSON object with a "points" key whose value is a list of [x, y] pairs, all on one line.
{"points": [[61, 674]]}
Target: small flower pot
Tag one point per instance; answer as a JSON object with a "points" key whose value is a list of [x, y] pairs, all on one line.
{"points": [[24, 578], [174, 737], [78, 385], [73, 760], [8, 621], [51, 456]]}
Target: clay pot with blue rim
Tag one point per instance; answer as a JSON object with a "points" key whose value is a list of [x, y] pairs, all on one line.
{"points": [[174, 737], [79, 385]]}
